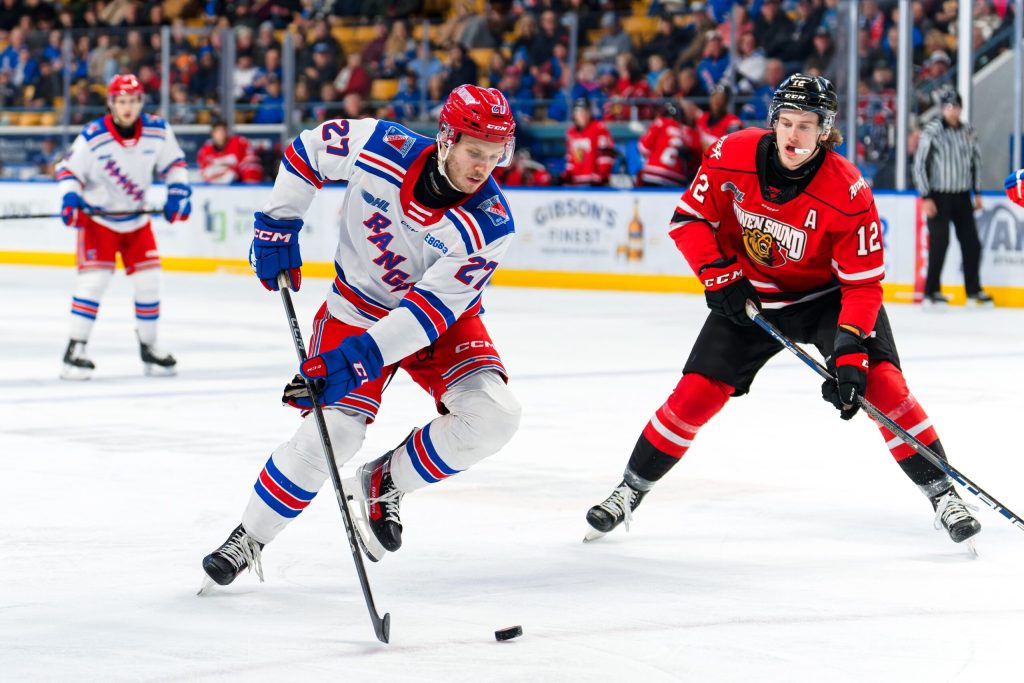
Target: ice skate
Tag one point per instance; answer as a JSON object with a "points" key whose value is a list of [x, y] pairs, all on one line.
{"points": [[156, 363], [953, 515], [235, 555], [378, 523], [936, 301], [980, 300], [76, 365], [615, 510]]}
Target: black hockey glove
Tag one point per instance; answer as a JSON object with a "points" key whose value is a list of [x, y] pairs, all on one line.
{"points": [[849, 365], [727, 290]]}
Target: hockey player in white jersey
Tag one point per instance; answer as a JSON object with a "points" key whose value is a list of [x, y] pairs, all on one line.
{"points": [[423, 228], [103, 179]]}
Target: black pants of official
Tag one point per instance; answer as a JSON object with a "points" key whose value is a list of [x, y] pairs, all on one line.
{"points": [[955, 207]]}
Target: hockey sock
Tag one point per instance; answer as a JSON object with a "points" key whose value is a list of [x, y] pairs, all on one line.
{"points": [[296, 470], [887, 390], [482, 417], [669, 433], [147, 303], [85, 302]]}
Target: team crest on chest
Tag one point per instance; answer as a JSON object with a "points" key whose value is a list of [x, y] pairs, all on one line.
{"points": [[769, 242], [494, 209], [401, 142]]}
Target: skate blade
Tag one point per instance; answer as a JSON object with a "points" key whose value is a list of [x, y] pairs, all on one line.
{"points": [[153, 370], [972, 550], [592, 534], [74, 373], [208, 583], [368, 543]]}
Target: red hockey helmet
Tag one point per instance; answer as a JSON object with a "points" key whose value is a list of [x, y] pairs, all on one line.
{"points": [[479, 113], [124, 84]]}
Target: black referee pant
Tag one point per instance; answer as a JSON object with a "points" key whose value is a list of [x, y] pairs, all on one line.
{"points": [[956, 207]]}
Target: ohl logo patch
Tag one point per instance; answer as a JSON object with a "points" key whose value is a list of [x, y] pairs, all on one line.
{"points": [[401, 142], [762, 248], [494, 210]]}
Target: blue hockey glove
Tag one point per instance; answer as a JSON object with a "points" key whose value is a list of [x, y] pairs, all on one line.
{"points": [[178, 206], [73, 210], [336, 373], [275, 247]]}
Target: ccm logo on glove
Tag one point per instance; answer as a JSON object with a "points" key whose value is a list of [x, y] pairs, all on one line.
{"points": [[270, 236]]}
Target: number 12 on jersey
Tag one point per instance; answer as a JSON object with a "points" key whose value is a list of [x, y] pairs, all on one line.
{"points": [[464, 274]]}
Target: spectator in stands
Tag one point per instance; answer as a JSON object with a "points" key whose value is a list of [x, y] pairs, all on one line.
{"points": [[181, 110], [353, 106], [204, 83], [750, 64], [656, 67], [324, 68], [551, 33], [47, 157], [631, 85], [717, 121], [668, 40], [436, 93], [935, 66], [425, 64], [26, 70], [460, 68], [821, 55], [715, 64], [86, 104], [671, 149], [450, 32], [100, 59], [613, 42], [773, 29], [799, 44], [688, 85], [9, 93], [523, 172], [322, 37], [755, 112], [49, 85], [9, 57], [400, 46], [271, 102], [353, 78], [329, 106], [265, 41], [245, 74], [520, 98], [589, 149], [53, 52], [408, 103], [373, 52]]}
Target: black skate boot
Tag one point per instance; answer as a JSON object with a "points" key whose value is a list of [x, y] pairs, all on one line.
{"points": [[616, 509], [952, 514], [156, 363], [379, 523], [235, 555], [76, 365]]}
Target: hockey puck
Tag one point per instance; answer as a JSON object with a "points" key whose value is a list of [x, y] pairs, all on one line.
{"points": [[508, 633]]}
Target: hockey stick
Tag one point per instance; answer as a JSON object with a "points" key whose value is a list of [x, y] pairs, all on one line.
{"points": [[30, 216], [381, 626], [887, 422]]}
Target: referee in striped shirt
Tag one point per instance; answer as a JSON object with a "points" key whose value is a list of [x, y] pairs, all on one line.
{"points": [[947, 167]]}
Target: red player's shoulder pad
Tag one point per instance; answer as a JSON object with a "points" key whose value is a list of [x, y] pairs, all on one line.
{"points": [[735, 150], [841, 184]]}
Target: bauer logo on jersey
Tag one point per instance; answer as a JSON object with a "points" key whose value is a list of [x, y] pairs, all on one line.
{"points": [[495, 210], [399, 140], [769, 242]]}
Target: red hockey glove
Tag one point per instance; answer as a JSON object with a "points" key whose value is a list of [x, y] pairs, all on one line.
{"points": [[849, 365], [727, 290]]}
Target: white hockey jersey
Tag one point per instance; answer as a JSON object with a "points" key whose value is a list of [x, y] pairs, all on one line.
{"points": [[403, 271], [113, 174]]}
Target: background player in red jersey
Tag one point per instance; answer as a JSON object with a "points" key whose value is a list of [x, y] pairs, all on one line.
{"points": [[671, 150], [589, 148], [227, 158], [778, 218]]}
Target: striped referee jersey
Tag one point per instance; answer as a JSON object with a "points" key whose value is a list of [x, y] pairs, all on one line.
{"points": [[948, 159]]}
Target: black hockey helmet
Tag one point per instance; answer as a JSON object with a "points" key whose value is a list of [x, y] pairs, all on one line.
{"points": [[671, 109], [806, 93]]}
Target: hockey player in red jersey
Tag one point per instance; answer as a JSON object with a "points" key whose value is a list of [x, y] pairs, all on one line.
{"points": [[717, 121], [589, 148], [671, 150], [778, 218], [103, 180], [227, 158], [423, 228]]}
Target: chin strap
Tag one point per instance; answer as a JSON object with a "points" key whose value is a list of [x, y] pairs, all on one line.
{"points": [[443, 150]]}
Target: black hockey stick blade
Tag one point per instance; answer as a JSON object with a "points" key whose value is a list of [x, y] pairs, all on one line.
{"points": [[754, 313], [381, 625]]}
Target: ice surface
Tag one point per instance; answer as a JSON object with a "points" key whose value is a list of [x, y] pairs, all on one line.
{"points": [[786, 546]]}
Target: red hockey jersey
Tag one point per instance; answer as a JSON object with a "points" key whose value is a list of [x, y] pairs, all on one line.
{"points": [[235, 162], [712, 130], [828, 236], [671, 151], [589, 154]]}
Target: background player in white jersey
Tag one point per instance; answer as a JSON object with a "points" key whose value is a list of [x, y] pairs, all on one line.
{"points": [[424, 226], [104, 179]]}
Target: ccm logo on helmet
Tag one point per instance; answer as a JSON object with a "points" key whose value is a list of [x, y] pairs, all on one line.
{"points": [[268, 236]]}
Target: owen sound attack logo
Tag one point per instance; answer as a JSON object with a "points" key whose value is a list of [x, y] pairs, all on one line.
{"points": [[769, 242]]}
